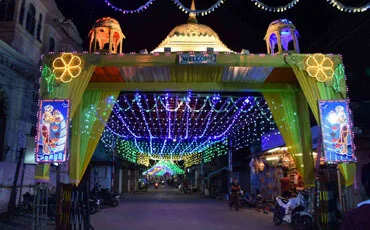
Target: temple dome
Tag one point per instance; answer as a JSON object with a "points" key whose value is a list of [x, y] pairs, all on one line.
{"points": [[192, 37]]}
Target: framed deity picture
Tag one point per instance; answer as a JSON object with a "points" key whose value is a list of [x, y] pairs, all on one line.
{"points": [[52, 131], [336, 127]]}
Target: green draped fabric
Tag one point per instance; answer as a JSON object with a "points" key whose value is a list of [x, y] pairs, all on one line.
{"points": [[348, 171], [292, 118], [87, 127]]}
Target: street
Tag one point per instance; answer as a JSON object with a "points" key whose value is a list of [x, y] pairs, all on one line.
{"points": [[167, 208]]}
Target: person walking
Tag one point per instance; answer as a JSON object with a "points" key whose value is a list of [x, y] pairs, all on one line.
{"points": [[234, 197], [359, 218], [285, 183]]}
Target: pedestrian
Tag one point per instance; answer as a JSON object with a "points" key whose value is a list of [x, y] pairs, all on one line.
{"points": [[359, 218], [285, 185], [234, 197]]}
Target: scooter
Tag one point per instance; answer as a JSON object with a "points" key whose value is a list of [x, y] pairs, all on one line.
{"points": [[293, 211]]}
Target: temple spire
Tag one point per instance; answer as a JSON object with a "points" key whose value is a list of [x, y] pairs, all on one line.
{"points": [[192, 16]]}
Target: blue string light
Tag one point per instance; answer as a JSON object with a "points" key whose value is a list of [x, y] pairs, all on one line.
{"points": [[192, 124], [137, 10]]}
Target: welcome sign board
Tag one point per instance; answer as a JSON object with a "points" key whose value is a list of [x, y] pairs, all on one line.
{"points": [[186, 59]]}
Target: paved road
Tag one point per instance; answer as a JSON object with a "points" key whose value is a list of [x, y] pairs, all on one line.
{"points": [[168, 209]]}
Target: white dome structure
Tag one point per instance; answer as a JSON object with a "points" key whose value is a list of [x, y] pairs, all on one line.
{"points": [[192, 37]]}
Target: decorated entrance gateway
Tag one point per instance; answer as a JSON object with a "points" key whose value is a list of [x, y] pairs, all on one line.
{"points": [[190, 99]]}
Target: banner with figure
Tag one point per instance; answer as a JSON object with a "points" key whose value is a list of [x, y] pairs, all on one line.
{"points": [[336, 129], [52, 131]]}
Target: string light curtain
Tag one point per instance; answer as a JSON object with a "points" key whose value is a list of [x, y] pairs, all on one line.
{"points": [[86, 130], [284, 108]]}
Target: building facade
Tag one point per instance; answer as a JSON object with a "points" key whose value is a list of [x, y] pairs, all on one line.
{"points": [[28, 28]]}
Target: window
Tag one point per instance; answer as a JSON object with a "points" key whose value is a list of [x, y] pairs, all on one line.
{"points": [[21, 13], [39, 26], [31, 19], [7, 8], [51, 45]]}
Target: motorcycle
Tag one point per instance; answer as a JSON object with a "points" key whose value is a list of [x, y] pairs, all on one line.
{"points": [[293, 211], [156, 185], [26, 205], [248, 200], [143, 185], [106, 197], [94, 205]]}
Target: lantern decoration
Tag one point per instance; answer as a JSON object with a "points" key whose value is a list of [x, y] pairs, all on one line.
{"points": [[286, 161], [278, 36], [106, 30], [67, 67], [261, 166], [320, 67]]}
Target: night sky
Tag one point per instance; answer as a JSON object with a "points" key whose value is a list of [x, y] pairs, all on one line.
{"points": [[241, 25]]}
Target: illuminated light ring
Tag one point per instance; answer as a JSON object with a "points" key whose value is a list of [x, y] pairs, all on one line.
{"points": [[278, 9], [137, 10], [67, 67], [350, 9], [320, 67], [197, 12]]}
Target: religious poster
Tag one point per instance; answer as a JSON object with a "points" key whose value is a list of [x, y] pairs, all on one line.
{"points": [[336, 129], [52, 132]]}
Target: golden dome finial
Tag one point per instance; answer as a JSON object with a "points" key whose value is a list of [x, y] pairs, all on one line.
{"points": [[192, 16]]}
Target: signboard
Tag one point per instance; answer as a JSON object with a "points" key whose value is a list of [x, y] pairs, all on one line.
{"points": [[186, 59], [52, 132], [336, 129]]}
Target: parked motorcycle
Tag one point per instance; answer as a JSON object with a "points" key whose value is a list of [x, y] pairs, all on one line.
{"points": [[293, 211], [248, 200], [26, 205], [94, 205], [143, 185], [106, 197]]}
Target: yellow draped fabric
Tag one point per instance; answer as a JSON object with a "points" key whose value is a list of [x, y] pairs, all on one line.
{"points": [[291, 117], [85, 142], [348, 171], [73, 91], [314, 91]]}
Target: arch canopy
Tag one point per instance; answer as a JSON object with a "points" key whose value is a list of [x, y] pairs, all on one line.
{"points": [[296, 81]]}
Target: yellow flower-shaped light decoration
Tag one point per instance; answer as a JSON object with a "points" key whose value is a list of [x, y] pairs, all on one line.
{"points": [[320, 67], [67, 67]]}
